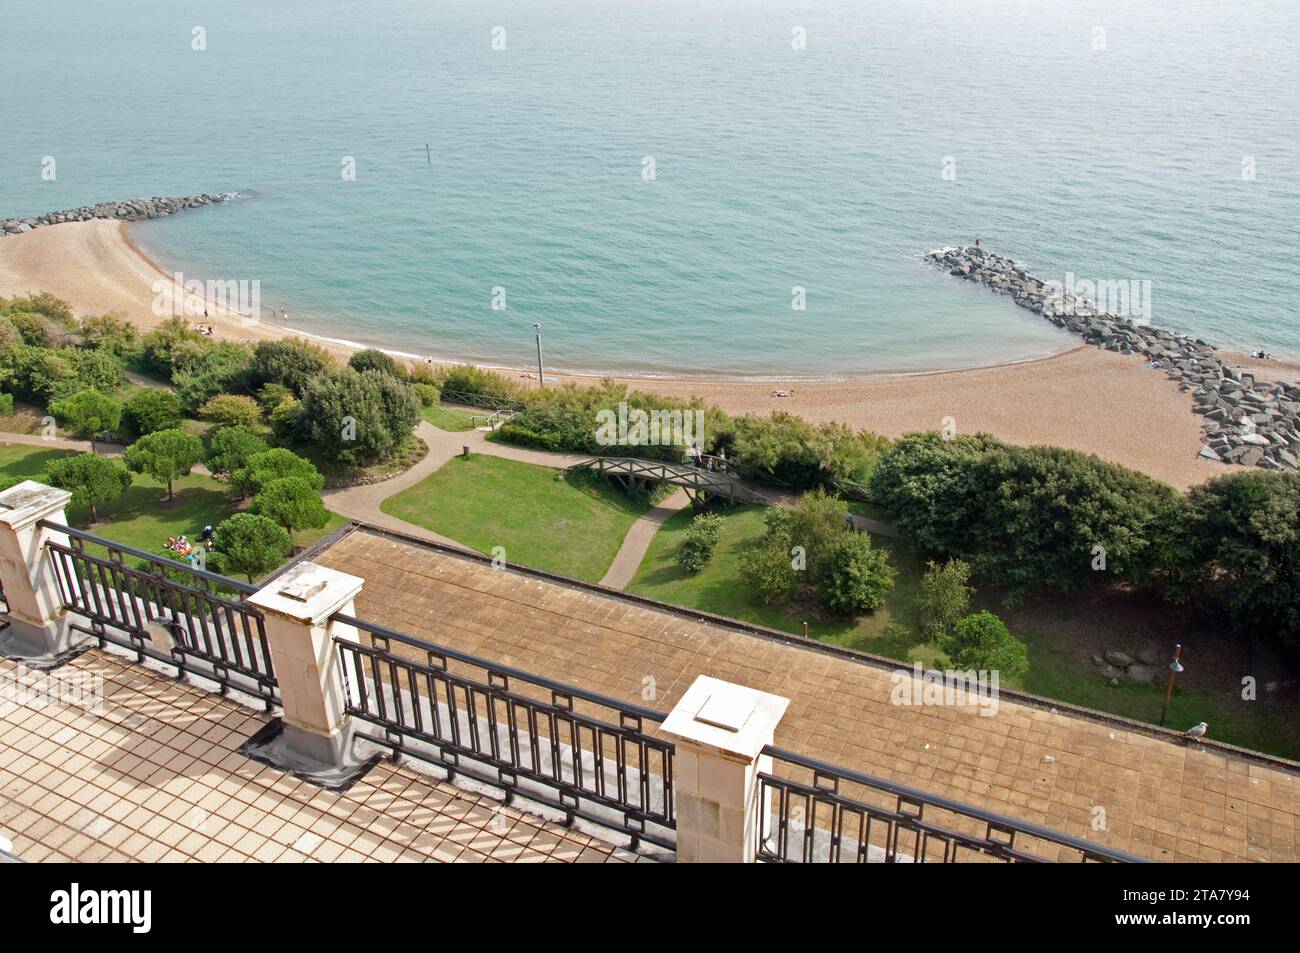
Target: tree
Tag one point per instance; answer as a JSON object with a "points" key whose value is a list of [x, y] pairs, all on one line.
{"points": [[357, 418], [113, 333], [944, 598], [293, 503], [292, 362], [164, 455], [151, 409], [229, 451], [1237, 538], [231, 410], [251, 544], [854, 576], [91, 479], [701, 537], [88, 412], [213, 369], [373, 359], [271, 396], [99, 369], [982, 641], [816, 523], [1023, 516], [767, 568], [277, 464]]}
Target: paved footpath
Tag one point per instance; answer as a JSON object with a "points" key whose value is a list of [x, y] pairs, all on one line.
{"points": [[637, 541]]}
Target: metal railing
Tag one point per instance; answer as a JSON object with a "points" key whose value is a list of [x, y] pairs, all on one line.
{"points": [[814, 812], [164, 610], [576, 751], [487, 401]]}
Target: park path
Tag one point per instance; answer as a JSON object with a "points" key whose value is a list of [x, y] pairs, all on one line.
{"points": [[362, 503], [637, 541]]}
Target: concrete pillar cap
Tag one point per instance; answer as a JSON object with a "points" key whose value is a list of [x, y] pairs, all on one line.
{"points": [[731, 719], [24, 503], [307, 593]]}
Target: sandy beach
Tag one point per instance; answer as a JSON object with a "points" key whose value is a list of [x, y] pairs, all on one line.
{"points": [[1085, 398]]}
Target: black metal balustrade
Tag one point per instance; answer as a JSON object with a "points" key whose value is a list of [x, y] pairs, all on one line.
{"points": [[576, 751], [813, 812], [164, 610]]}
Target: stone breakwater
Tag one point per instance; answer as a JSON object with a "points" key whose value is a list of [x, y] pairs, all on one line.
{"points": [[1246, 421], [132, 210]]}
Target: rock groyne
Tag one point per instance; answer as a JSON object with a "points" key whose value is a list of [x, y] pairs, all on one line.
{"points": [[132, 210], [1246, 420]]}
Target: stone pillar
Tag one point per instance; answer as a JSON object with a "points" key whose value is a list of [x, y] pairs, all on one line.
{"points": [[38, 624], [297, 607], [719, 730]]}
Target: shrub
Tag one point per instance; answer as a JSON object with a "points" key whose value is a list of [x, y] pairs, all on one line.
{"points": [[6, 404], [152, 409], [292, 362], [1022, 516], [817, 522], [215, 369], [272, 396], [91, 479], [427, 393], [1237, 538], [468, 379], [799, 453], [37, 330], [99, 369], [35, 372], [701, 538], [87, 412], [981, 641], [9, 335], [358, 418], [373, 359], [44, 303], [112, 333], [287, 422], [231, 410], [164, 455], [767, 569], [170, 345], [944, 598], [854, 577]]}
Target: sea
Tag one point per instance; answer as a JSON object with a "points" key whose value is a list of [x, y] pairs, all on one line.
{"points": [[673, 187]]}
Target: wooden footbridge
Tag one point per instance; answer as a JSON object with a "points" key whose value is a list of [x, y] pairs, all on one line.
{"points": [[699, 482]]}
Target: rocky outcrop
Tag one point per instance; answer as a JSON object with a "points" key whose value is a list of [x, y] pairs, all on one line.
{"points": [[1246, 421], [132, 210], [1116, 666]]}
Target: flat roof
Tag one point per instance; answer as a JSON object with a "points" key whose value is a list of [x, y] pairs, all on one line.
{"points": [[1162, 797]]}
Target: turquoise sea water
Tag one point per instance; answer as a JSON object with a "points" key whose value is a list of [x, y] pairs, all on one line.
{"points": [[775, 168]]}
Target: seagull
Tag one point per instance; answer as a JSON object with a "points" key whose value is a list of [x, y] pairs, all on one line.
{"points": [[1196, 731]]}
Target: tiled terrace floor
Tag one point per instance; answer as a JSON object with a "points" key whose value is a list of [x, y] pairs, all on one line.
{"points": [[1165, 799], [155, 775]]}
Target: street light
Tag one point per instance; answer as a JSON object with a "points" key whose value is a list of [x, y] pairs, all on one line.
{"points": [[541, 379], [1174, 668]]}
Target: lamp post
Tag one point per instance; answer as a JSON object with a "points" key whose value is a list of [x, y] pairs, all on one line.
{"points": [[541, 379], [1174, 668]]}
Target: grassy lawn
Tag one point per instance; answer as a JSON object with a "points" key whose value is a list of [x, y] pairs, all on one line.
{"points": [[565, 527], [142, 517], [716, 588], [446, 418]]}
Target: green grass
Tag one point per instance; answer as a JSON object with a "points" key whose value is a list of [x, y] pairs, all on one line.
{"points": [[562, 526], [1055, 672], [887, 631], [445, 418], [142, 517]]}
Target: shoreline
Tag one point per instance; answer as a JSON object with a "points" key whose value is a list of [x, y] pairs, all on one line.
{"points": [[716, 377], [1082, 398]]}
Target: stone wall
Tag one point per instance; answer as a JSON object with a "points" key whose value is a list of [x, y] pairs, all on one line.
{"points": [[1246, 421], [132, 210]]}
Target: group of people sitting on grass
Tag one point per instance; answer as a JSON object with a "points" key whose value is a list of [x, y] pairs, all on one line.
{"points": [[182, 547]]}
